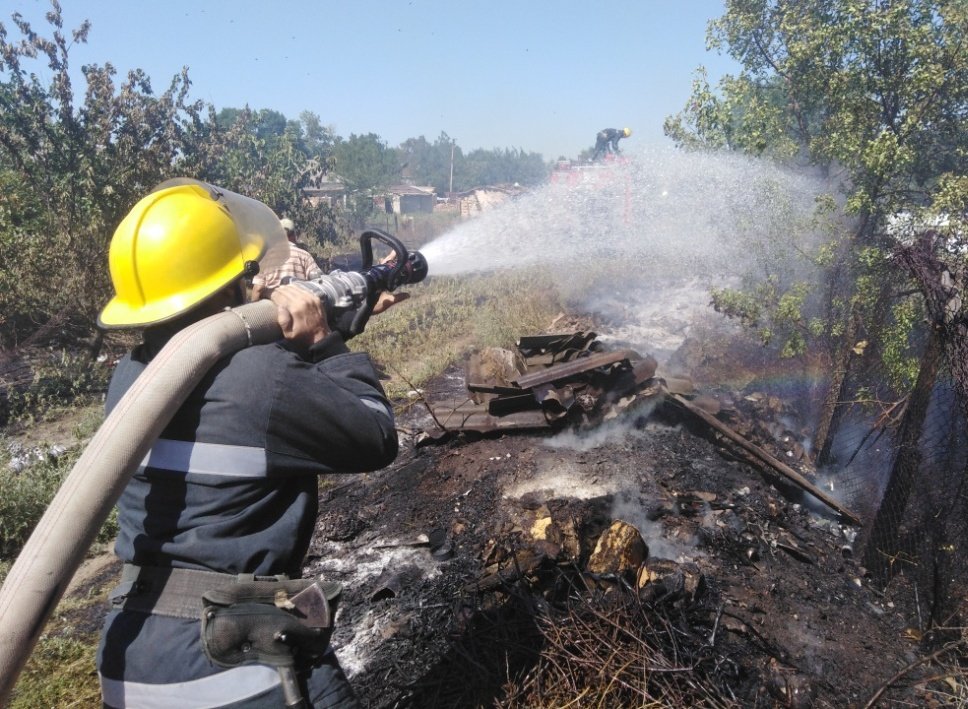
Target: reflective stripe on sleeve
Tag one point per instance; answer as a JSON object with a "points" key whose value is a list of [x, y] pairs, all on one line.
{"points": [[207, 459], [234, 685]]}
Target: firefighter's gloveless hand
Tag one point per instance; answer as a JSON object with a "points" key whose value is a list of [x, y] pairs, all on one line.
{"points": [[300, 315], [386, 300]]}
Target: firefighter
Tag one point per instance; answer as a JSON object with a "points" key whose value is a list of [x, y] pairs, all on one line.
{"points": [[607, 141], [227, 498]]}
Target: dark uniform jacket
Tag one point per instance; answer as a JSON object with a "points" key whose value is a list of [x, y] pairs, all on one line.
{"points": [[231, 487], [608, 138]]}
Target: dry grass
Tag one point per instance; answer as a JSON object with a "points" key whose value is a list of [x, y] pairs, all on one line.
{"points": [[447, 317], [614, 650], [60, 673]]}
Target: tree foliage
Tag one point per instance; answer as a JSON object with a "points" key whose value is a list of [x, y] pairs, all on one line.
{"points": [[365, 161], [70, 169], [431, 163], [875, 92], [507, 166], [876, 88], [444, 165], [365, 164]]}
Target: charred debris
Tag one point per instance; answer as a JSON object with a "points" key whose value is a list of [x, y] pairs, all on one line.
{"points": [[554, 601], [552, 382]]}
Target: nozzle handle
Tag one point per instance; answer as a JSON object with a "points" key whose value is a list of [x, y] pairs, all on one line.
{"points": [[404, 268], [366, 250]]}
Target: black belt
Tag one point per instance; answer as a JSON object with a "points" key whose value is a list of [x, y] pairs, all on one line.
{"points": [[178, 592]]}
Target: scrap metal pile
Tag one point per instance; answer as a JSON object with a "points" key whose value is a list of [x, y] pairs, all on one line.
{"points": [[551, 381], [555, 381]]}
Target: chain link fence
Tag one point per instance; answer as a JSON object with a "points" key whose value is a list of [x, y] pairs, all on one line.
{"points": [[902, 466]]}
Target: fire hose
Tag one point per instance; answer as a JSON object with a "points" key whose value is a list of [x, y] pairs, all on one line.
{"points": [[40, 575]]}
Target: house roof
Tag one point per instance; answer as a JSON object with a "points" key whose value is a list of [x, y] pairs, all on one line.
{"points": [[324, 187], [411, 190]]}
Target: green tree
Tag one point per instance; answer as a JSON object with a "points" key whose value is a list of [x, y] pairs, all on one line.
{"points": [[69, 171], [748, 115], [266, 156], [873, 91], [264, 123], [875, 88], [243, 157], [317, 138], [367, 167], [430, 163], [438, 162], [507, 166], [365, 162]]}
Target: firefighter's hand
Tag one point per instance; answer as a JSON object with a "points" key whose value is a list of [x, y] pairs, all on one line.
{"points": [[388, 299], [300, 315]]}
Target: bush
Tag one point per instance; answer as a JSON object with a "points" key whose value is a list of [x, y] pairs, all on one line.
{"points": [[64, 379]]}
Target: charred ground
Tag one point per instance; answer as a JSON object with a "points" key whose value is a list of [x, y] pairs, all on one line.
{"points": [[761, 604]]}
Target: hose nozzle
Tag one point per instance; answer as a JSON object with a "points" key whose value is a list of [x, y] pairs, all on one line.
{"points": [[349, 296]]}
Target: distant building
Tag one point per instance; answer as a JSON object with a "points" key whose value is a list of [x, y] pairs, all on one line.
{"points": [[481, 199], [330, 191], [410, 199]]}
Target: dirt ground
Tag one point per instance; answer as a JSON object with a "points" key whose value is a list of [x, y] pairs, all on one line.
{"points": [[448, 592]]}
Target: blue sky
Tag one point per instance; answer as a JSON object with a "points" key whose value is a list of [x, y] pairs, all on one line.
{"points": [[540, 75]]}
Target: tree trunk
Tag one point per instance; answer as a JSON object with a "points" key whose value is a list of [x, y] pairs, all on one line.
{"points": [[830, 411], [883, 541]]}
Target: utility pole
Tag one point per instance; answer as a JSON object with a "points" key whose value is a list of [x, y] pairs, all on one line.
{"points": [[450, 190]]}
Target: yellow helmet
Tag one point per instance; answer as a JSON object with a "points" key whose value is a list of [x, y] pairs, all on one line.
{"points": [[182, 243], [627, 132]]}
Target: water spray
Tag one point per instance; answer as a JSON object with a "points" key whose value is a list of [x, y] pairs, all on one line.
{"points": [[664, 211], [642, 243]]}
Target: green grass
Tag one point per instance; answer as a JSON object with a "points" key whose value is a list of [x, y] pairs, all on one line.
{"points": [[61, 670], [24, 496], [26, 493]]}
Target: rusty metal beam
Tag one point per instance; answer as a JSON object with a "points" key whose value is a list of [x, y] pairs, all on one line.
{"points": [[574, 340], [482, 388], [475, 417], [504, 405], [782, 468], [570, 369]]}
